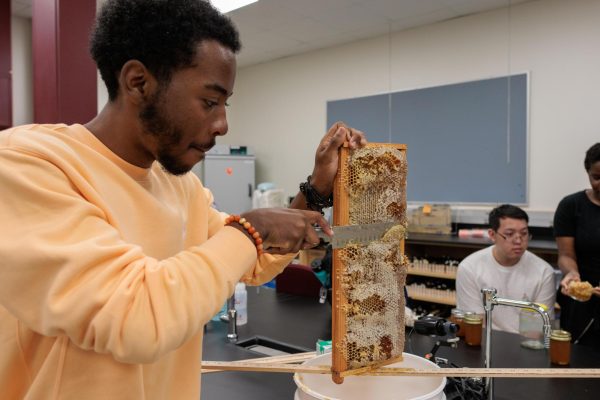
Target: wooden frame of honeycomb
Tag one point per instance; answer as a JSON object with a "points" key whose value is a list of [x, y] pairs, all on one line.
{"points": [[368, 279]]}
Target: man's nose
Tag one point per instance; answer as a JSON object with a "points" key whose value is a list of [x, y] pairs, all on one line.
{"points": [[221, 126]]}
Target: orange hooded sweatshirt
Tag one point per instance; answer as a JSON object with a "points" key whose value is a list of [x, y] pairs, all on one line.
{"points": [[108, 271]]}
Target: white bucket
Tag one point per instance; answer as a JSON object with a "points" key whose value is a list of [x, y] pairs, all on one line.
{"points": [[321, 387]]}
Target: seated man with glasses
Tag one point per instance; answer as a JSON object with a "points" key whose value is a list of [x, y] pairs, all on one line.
{"points": [[507, 266]]}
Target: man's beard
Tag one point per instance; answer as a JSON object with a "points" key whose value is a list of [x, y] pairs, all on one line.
{"points": [[166, 134]]}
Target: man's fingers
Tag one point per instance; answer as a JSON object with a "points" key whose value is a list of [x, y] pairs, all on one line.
{"points": [[336, 135], [311, 238], [330, 134], [355, 138], [335, 141], [322, 222]]}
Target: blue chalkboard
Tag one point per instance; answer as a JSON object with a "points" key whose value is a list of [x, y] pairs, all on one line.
{"points": [[467, 142]]}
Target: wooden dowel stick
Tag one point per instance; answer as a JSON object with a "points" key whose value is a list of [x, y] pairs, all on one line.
{"points": [[283, 359], [254, 367], [390, 371]]}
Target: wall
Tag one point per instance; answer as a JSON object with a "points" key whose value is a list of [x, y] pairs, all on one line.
{"points": [[22, 71], [280, 107]]}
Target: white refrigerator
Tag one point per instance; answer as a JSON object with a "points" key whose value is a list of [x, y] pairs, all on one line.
{"points": [[231, 180]]}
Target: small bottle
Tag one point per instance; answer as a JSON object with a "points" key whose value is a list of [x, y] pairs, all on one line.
{"points": [[473, 326], [241, 303], [457, 316], [560, 347]]}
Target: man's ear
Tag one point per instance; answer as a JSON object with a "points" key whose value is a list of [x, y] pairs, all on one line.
{"points": [[492, 235], [136, 82]]}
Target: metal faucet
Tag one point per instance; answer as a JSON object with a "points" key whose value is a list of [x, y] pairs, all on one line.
{"points": [[490, 299]]}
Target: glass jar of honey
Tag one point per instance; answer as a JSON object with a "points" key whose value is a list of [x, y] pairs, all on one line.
{"points": [[473, 326], [457, 316], [560, 347]]}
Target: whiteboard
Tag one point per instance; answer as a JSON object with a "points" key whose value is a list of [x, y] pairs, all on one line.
{"points": [[467, 142]]}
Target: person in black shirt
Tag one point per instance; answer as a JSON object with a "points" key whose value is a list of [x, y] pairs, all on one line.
{"points": [[577, 233]]}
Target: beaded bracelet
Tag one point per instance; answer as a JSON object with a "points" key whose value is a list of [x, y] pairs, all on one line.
{"points": [[314, 201], [249, 228]]}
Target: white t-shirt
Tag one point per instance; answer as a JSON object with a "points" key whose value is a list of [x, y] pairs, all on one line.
{"points": [[531, 279]]}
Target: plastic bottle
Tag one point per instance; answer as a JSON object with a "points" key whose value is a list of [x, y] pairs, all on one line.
{"points": [[241, 303]]}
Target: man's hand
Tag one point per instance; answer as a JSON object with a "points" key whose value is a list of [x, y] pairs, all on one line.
{"points": [[286, 230], [326, 158]]}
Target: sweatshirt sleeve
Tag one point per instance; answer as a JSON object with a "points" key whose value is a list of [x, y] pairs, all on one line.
{"points": [[65, 270]]}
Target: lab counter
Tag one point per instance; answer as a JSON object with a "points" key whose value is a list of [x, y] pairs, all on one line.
{"points": [[279, 317], [300, 321]]}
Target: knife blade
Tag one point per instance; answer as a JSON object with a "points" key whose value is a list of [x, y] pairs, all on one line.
{"points": [[359, 234]]}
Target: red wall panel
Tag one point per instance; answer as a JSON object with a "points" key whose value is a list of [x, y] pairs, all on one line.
{"points": [[5, 66], [64, 75]]}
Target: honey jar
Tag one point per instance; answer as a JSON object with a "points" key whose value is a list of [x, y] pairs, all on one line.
{"points": [[560, 347], [473, 324], [457, 317]]}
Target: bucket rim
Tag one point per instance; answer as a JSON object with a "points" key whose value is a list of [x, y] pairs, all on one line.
{"points": [[302, 386]]}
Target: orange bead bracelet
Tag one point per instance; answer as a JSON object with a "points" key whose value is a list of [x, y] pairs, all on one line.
{"points": [[249, 228]]}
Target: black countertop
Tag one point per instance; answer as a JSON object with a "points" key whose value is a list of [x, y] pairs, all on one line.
{"points": [[301, 321]]}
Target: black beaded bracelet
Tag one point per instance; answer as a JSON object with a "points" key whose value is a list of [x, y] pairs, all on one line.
{"points": [[314, 201]]}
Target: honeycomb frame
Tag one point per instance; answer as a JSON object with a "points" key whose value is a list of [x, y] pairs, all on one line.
{"points": [[369, 278]]}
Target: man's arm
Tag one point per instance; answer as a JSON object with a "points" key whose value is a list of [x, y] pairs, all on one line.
{"points": [[67, 271], [282, 232], [326, 161]]}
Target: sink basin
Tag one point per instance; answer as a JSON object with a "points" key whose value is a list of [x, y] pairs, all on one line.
{"points": [[270, 347]]}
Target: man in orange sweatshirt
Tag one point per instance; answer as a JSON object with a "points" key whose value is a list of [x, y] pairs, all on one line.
{"points": [[112, 258]]}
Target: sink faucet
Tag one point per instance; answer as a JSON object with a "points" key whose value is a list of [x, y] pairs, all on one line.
{"points": [[490, 299]]}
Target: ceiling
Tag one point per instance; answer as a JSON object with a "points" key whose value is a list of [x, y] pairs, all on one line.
{"points": [[272, 29]]}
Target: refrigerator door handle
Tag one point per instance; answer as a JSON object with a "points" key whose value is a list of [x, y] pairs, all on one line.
{"points": [[249, 190]]}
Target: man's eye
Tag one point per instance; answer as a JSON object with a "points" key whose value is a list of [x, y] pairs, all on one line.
{"points": [[210, 103]]}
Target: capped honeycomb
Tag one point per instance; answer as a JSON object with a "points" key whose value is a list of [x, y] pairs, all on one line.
{"points": [[369, 278]]}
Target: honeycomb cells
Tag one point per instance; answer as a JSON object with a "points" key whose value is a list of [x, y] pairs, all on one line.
{"points": [[374, 275], [376, 181]]}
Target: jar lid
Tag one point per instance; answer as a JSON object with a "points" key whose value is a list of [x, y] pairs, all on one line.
{"points": [[560, 335], [458, 312], [473, 318]]}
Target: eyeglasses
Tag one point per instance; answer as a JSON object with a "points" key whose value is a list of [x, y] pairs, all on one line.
{"points": [[513, 236]]}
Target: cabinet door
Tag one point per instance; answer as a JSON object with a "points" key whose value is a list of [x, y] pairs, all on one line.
{"points": [[231, 180]]}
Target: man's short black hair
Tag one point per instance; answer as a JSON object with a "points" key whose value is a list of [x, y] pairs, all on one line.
{"points": [[592, 156], [506, 211], [162, 34]]}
